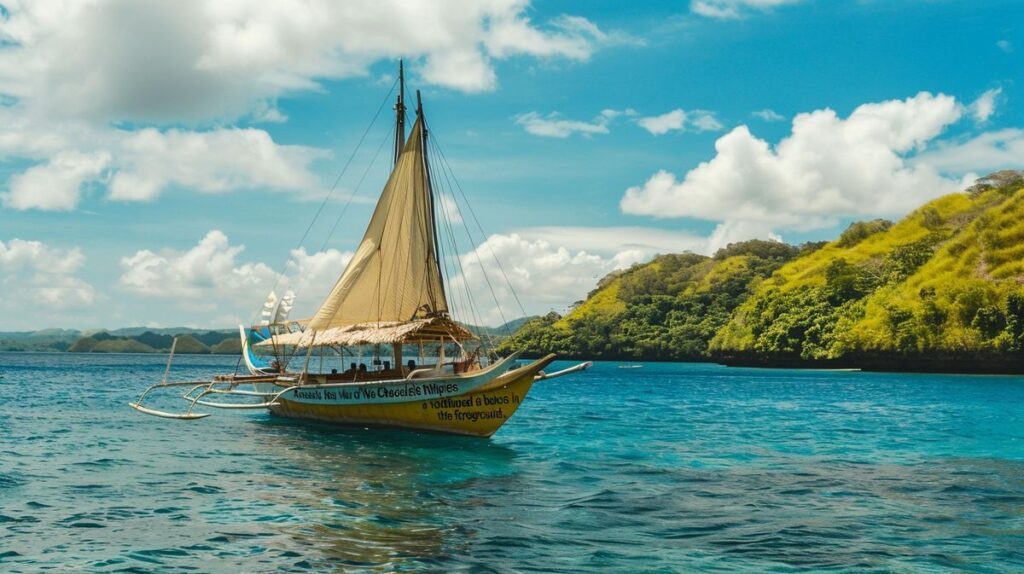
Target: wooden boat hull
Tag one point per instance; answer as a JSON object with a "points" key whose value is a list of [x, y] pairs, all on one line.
{"points": [[477, 408]]}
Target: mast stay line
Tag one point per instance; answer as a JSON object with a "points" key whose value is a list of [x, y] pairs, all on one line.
{"points": [[334, 186]]}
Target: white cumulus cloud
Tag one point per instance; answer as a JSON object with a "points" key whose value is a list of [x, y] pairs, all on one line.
{"points": [[610, 241], [983, 107], [56, 184], [768, 115], [450, 209], [213, 161], [989, 151], [311, 276], [705, 121], [165, 60], [210, 268], [133, 165], [734, 231], [550, 267], [76, 75], [828, 167], [40, 282], [664, 123], [545, 276], [724, 9], [554, 125], [681, 120], [212, 276]]}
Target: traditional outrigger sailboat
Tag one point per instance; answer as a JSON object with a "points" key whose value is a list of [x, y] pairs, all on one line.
{"points": [[391, 293]]}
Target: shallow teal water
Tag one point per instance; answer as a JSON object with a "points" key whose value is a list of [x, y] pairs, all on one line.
{"points": [[671, 467]]}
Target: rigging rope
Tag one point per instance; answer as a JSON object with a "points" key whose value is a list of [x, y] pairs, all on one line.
{"points": [[301, 279], [477, 317], [463, 295], [330, 192], [447, 170], [355, 190], [483, 234]]}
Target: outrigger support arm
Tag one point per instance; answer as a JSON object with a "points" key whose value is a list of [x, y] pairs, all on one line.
{"points": [[542, 376], [272, 402], [187, 415], [208, 388]]}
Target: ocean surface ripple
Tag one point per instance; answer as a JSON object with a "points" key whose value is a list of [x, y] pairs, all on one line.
{"points": [[665, 468]]}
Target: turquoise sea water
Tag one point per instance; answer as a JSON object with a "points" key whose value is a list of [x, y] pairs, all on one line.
{"points": [[666, 468]]}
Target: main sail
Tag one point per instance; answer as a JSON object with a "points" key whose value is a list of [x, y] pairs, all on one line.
{"points": [[395, 274]]}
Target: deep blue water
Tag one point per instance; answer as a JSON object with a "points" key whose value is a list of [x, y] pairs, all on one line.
{"points": [[666, 468]]}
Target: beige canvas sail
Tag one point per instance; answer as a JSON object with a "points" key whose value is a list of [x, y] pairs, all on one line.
{"points": [[394, 274]]}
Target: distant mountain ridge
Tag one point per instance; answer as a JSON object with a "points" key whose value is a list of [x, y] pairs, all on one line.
{"points": [[500, 331], [206, 342], [125, 340], [159, 340]]}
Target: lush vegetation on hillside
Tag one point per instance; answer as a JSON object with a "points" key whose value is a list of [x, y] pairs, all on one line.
{"points": [[668, 309], [946, 280]]}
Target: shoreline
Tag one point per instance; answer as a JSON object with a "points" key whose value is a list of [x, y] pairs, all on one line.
{"points": [[928, 365], [947, 365]]}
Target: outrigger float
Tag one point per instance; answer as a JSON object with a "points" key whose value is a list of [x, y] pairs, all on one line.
{"points": [[391, 294]]}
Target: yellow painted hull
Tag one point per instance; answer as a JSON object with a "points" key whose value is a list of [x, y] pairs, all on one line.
{"points": [[476, 413]]}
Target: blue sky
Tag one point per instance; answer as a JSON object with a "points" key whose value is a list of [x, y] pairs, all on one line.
{"points": [[160, 161]]}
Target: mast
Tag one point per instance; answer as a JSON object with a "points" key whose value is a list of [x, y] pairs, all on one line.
{"points": [[400, 114], [430, 193]]}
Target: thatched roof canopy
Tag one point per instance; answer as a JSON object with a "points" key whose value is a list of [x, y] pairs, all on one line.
{"points": [[376, 333]]}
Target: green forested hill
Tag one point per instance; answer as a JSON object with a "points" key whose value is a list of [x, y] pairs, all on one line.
{"points": [[667, 309], [944, 283]]}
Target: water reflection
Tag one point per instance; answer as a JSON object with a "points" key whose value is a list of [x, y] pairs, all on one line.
{"points": [[396, 500], [379, 498]]}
